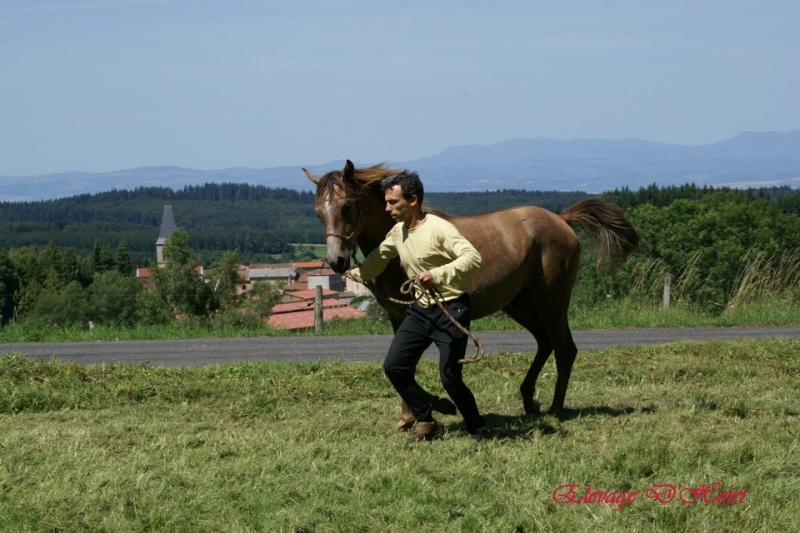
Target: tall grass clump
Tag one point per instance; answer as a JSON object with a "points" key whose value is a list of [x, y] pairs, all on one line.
{"points": [[766, 292], [764, 278], [647, 276], [766, 288]]}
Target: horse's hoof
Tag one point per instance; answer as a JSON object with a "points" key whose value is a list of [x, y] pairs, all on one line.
{"points": [[532, 407]]}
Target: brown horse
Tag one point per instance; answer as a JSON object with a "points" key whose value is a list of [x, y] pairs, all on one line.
{"points": [[530, 260]]}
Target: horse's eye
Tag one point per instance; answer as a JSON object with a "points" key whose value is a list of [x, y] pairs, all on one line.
{"points": [[346, 210]]}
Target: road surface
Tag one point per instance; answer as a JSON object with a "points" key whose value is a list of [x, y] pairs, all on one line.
{"points": [[200, 352]]}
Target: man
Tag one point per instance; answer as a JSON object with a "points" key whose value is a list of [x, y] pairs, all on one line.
{"points": [[432, 250]]}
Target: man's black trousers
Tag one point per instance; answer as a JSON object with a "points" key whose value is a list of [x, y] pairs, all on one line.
{"points": [[420, 329]]}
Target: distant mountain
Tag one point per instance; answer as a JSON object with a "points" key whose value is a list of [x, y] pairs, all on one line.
{"points": [[590, 165], [596, 165], [64, 185]]}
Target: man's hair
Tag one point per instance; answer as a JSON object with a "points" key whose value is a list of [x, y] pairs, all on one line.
{"points": [[409, 183]]}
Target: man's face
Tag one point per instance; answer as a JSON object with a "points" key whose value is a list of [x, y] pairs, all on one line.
{"points": [[397, 206]]}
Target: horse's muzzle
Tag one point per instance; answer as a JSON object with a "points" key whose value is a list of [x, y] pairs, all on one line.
{"points": [[339, 264]]}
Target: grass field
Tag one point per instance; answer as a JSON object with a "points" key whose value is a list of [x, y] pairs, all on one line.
{"points": [[309, 447]]}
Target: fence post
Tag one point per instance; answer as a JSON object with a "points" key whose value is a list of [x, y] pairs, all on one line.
{"points": [[667, 285], [318, 319]]}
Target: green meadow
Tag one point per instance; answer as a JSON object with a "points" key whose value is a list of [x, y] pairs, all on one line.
{"points": [[680, 437]]}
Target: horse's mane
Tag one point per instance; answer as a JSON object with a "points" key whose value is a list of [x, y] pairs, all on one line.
{"points": [[369, 176], [365, 178]]}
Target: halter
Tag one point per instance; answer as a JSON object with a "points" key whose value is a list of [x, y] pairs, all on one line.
{"points": [[357, 225], [347, 240]]}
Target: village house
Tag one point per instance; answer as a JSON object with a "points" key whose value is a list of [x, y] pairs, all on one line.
{"points": [[259, 273]]}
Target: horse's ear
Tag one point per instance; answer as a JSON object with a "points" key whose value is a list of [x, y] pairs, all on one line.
{"points": [[349, 172], [313, 177]]}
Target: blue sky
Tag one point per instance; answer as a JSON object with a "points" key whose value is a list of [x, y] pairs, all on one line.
{"points": [[101, 85]]}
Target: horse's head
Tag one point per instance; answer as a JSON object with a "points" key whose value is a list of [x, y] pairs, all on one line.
{"points": [[338, 206]]}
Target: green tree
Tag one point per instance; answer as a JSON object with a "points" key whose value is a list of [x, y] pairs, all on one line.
{"points": [[706, 243], [102, 258], [47, 270], [65, 307], [9, 285], [122, 262], [263, 296], [178, 281], [224, 280], [113, 299], [151, 309]]}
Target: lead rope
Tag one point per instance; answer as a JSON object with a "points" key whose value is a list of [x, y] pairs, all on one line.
{"points": [[408, 288]]}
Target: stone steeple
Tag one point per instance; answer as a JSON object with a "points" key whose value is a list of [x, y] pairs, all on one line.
{"points": [[167, 227]]}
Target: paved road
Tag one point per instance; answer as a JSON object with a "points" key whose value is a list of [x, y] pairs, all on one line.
{"points": [[199, 352]]}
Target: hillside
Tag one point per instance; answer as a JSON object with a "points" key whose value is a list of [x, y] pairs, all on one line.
{"points": [[257, 221], [591, 165]]}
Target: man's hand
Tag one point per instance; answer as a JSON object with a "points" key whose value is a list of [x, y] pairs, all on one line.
{"points": [[426, 279], [355, 274]]}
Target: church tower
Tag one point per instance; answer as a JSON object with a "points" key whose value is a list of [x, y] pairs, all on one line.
{"points": [[167, 228]]}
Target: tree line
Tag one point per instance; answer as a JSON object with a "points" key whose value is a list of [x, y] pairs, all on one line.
{"points": [[51, 286], [79, 268], [710, 241], [260, 222]]}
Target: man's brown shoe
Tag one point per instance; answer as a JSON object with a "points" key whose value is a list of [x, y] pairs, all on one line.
{"points": [[425, 431]]}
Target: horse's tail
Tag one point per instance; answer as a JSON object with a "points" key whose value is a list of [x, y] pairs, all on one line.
{"points": [[607, 224]]}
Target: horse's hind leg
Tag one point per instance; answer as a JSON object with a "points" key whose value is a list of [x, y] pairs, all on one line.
{"points": [[523, 310], [546, 318], [528, 387], [552, 308], [566, 352]]}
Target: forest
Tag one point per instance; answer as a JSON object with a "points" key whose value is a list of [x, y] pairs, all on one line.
{"points": [[259, 222], [72, 261]]}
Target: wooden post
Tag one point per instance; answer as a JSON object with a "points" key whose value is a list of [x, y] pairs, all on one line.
{"points": [[318, 319], [667, 285]]}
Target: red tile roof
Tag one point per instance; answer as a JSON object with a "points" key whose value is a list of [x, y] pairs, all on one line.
{"points": [[310, 294], [300, 284], [310, 265], [291, 307], [305, 319], [321, 272]]}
